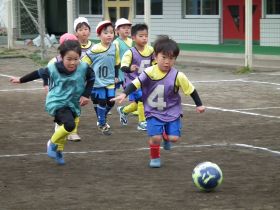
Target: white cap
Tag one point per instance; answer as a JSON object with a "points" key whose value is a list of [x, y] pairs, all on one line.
{"points": [[122, 21], [80, 20], [101, 25]]}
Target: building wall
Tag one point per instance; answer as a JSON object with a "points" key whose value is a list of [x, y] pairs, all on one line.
{"points": [[199, 31], [194, 31], [270, 32]]}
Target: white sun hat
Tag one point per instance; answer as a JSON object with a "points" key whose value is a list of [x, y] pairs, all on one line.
{"points": [[80, 20], [122, 21]]}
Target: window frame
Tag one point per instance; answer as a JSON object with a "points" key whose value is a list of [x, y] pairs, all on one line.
{"points": [[270, 16], [201, 16], [152, 16], [89, 10]]}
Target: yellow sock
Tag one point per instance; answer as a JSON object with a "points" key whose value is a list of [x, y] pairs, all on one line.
{"points": [[59, 137], [130, 108], [77, 121], [141, 113]]}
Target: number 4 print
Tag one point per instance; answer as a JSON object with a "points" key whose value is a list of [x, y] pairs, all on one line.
{"points": [[156, 98]]}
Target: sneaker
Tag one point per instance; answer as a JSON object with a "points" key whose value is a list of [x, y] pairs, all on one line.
{"points": [[142, 126], [166, 142], [155, 163], [107, 125], [51, 149], [105, 130], [59, 158], [123, 116], [73, 137], [109, 113]]}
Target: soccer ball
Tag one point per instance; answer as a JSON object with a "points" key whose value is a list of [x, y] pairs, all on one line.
{"points": [[207, 176]]}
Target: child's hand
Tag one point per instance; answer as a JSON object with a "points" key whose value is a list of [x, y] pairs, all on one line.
{"points": [[119, 98], [133, 67], [84, 101], [200, 109], [116, 80], [14, 80]]}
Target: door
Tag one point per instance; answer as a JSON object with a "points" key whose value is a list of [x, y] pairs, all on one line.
{"points": [[115, 9], [234, 19], [56, 16]]}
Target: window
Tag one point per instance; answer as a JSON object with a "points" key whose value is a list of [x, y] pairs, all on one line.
{"points": [[201, 7], [272, 7], [92, 7], [156, 7]]}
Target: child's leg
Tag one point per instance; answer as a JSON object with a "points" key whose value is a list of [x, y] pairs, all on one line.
{"points": [[130, 108], [101, 112], [141, 113], [110, 104], [155, 129], [66, 118], [101, 96], [171, 133], [73, 136], [142, 124], [59, 137], [98, 97], [172, 130], [56, 145]]}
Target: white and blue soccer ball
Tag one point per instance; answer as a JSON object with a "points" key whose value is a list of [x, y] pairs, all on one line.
{"points": [[207, 176]]}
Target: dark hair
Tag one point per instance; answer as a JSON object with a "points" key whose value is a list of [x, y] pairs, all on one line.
{"points": [[69, 45], [138, 27], [82, 24], [163, 44]]}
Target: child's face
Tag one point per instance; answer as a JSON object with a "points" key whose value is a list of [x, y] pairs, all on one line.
{"points": [[71, 60], [83, 32], [141, 38], [124, 31], [165, 62], [107, 35]]}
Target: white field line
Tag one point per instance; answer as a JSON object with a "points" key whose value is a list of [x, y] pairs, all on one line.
{"points": [[251, 147], [263, 108], [237, 80], [236, 111], [260, 82], [217, 81], [268, 74]]}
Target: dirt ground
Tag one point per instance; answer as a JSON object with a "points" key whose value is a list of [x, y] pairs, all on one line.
{"points": [[239, 131]]}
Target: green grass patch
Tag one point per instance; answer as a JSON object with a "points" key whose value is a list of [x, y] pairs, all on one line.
{"points": [[36, 57], [244, 70]]}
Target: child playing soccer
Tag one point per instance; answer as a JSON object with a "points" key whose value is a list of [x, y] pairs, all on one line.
{"points": [[160, 86], [123, 42], [82, 33], [133, 63], [70, 86], [104, 59], [73, 136]]}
